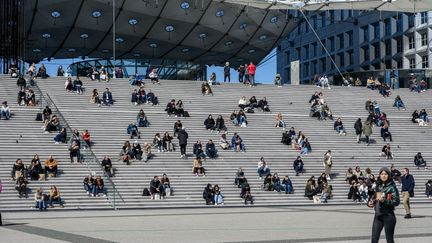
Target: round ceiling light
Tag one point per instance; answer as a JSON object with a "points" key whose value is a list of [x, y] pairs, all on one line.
{"points": [[96, 14], [55, 14], [46, 35], [133, 21], [169, 28], [184, 5]]}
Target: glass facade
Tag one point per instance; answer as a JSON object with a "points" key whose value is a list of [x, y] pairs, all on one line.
{"points": [[166, 69]]}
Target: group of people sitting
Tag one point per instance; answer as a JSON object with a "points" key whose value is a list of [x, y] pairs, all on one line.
{"points": [[274, 183], [42, 200], [421, 117], [140, 96], [322, 81], [159, 188], [107, 98], [135, 152], [101, 75], [378, 118], [74, 86], [313, 188], [362, 185], [238, 118], [163, 143], [419, 87], [26, 97], [298, 142], [212, 125], [213, 195], [319, 108], [20, 173], [241, 182], [94, 186], [252, 103], [176, 109]]}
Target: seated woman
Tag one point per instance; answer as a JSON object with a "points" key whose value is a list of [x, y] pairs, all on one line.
{"points": [[419, 161], [86, 138], [243, 103], [276, 182], [326, 112], [208, 194], [198, 150], [242, 119], [197, 167], [180, 109], [212, 79], [18, 169], [36, 169], [278, 80], [287, 186], [142, 119], [156, 188], [423, 115], [211, 150], [94, 98], [279, 122], [74, 152], [384, 90], [69, 85], [220, 124], [61, 136], [209, 123], [51, 166], [147, 151], [326, 192], [385, 133], [103, 75], [99, 187], [154, 77], [158, 143], [311, 189], [88, 183], [107, 166], [135, 97], [133, 131], [267, 183], [165, 181], [233, 118], [237, 143], [370, 83], [55, 197], [40, 201], [167, 142], [263, 104], [422, 86], [338, 126], [21, 97], [21, 186], [31, 98], [306, 147], [78, 85], [262, 168], [152, 98], [349, 176], [253, 103], [206, 89], [240, 179], [171, 108], [137, 151], [223, 142], [52, 125], [218, 197], [399, 103], [126, 153], [386, 151], [298, 165], [246, 193]]}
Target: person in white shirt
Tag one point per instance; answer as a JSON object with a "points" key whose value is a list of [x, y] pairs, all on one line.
{"points": [[243, 103], [324, 82], [263, 168], [5, 111]]}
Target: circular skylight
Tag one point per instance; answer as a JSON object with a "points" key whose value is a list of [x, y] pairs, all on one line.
{"points": [[136, 55], [55, 14], [119, 40], [220, 13], [243, 26], [228, 43], [153, 45], [274, 19], [36, 50], [251, 51], [96, 14], [133, 21], [71, 50], [263, 37], [105, 51], [240, 60], [169, 28], [184, 5], [203, 35], [84, 36], [46, 35], [184, 50]]}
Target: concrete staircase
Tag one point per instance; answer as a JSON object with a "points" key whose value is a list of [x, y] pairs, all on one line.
{"points": [[107, 126]]}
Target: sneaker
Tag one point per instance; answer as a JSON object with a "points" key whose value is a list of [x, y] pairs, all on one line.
{"points": [[260, 178], [87, 193], [104, 195], [407, 216], [61, 206], [56, 143]]}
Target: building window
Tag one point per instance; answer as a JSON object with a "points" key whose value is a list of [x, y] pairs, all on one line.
{"points": [[305, 69], [332, 44], [350, 13], [365, 33], [376, 30], [314, 49], [366, 53], [387, 26], [411, 42], [399, 23], [332, 66], [350, 38], [287, 57], [423, 18], [323, 64], [332, 16], [399, 64], [425, 62], [314, 22], [350, 58], [341, 41], [342, 14], [411, 20], [298, 53], [324, 42], [388, 47], [399, 45], [377, 51], [424, 39], [323, 19], [412, 63], [306, 51], [341, 60]]}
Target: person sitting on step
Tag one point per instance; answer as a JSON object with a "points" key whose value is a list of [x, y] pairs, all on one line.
{"points": [[263, 104], [288, 136], [107, 98], [94, 98], [267, 184], [243, 103], [18, 169], [385, 133], [338, 126], [208, 194], [21, 185], [419, 161], [74, 152], [211, 150], [206, 89], [99, 187], [52, 125], [223, 142], [156, 189], [40, 200], [263, 168], [198, 150], [311, 189], [152, 98], [107, 166], [54, 196], [78, 85], [240, 178], [287, 186], [51, 166], [86, 138], [220, 124], [147, 151], [179, 107], [158, 143], [218, 197], [171, 108], [279, 122], [154, 76], [253, 103], [177, 127], [88, 183], [428, 191], [36, 168], [209, 123], [133, 131], [126, 153], [197, 167], [142, 119], [137, 151], [246, 193], [167, 142], [398, 103], [69, 85], [386, 151], [61, 136], [237, 143], [276, 182], [306, 147], [165, 181], [298, 165]]}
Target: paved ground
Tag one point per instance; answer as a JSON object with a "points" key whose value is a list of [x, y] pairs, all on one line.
{"points": [[250, 224]]}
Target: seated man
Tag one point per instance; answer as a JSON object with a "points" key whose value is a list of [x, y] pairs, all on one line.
{"points": [[107, 166], [399, 103], [55, 197], [211, 149], [338, 126], [220, 124], [246, 193], [137, 151], [88, 184], [237, 143], [107, 98], [240, 179], [171, 108], [142, 119], [51, 166], [99, 187], [209, 123], [263, 168], [21, 82], [419, 161], [263, 104], [18, 169], [39, 197], [298, 165], [208, 194], [74, 152], [78, 85], [132, 130], [286, 185], [21, 186], [152, 98], [5, 112], [156, 188], [198, 150]]}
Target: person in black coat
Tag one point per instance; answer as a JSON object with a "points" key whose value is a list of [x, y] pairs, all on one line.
{"points": [[209, 123], [182, 137], [156, 187], [419, 161], [298, 165], [107, 98], [198, 150], [208, 194], [171, 108], [220, 124], [263, 104], [358, 126], [211, 149], [107, 166]]}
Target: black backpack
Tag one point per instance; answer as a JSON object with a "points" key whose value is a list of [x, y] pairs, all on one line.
{"points": [[39, 117], [146, 192]]}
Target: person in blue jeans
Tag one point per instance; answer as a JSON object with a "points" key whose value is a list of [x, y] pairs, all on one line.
{"points": [[55, 197], [88, 184], [398, 103], [262, 168], [298, 165], [99, 187], [40, 200], [5, 111], [287, 185]]}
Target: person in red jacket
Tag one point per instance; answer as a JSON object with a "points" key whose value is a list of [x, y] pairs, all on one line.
{"points": [[251, 70], [86, 138]]}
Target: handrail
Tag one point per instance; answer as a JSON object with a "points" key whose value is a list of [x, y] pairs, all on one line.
{"points": [[90, 156]]}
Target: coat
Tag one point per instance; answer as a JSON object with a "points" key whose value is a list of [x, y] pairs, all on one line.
{"points": [[358, 127], [367, 128], [182, 137]]}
